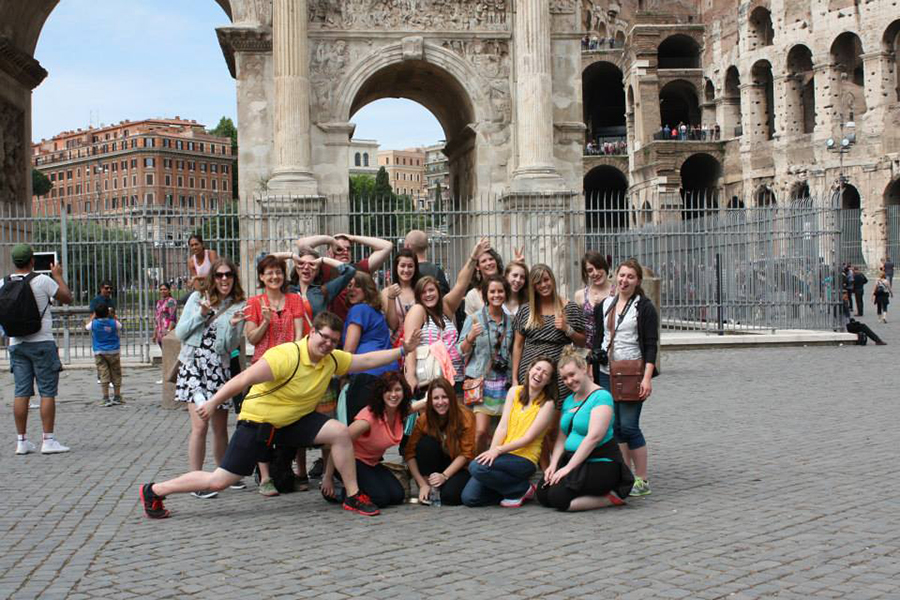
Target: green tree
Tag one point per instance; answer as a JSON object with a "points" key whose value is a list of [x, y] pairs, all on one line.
{"points": [[40, 183], [383, 184], [226, 128], [222, 232]]}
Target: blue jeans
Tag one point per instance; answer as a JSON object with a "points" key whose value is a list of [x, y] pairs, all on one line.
{"points": [[506, 478], [35, 361], [626, 418]]}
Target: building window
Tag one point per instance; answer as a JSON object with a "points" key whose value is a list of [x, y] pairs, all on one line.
{"points": [[203, 167], [149, 178], [202, 184], [116, 184], [357, 160], [115, 167], [167, 163], [180, 164], [201, 147], [191, 182], [149, 162], [214, 183], [106, 185], [191, 146], [366, 159], [124, 165], [214, 167], [191, 165], [148, 198], [179, 145], [224, 185], [134, 163], [225, 168], [134, 181], [168, 180], [180, 181]]}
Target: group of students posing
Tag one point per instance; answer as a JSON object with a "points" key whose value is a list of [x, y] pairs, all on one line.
{"points": [[525, 362]]}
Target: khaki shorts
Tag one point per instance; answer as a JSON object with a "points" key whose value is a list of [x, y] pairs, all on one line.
{"points": [[109, 369]]}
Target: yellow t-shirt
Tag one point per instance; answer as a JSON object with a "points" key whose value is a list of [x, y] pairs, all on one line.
{"points": [[301, 394], [519, 422]]}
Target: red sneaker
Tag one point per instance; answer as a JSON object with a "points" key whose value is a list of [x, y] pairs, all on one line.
{"points": [[362, 504], [153, 504]]}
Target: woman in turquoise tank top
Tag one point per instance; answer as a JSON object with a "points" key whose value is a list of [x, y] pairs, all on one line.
{"points": [[586, 468]]}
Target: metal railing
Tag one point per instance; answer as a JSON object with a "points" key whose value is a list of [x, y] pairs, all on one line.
{"points": [[721, 269], [892, 215]]}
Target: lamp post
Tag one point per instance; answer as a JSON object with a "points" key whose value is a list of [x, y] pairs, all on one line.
{"points": [[843, 145]]}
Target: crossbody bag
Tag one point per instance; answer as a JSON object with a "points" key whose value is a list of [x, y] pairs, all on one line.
{"points": [[625, 376]]}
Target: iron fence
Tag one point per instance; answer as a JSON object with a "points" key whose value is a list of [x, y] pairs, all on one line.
{"points": [[892, 214], [721, 269]]}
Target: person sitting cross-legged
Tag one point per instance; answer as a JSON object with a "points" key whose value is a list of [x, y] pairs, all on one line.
{"points": [[281, 408]]}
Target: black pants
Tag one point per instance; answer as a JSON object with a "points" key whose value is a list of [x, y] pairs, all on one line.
{"points": [[863, 330], [431, 458], [602, 477], [379, 484], [859, 302], [359, 392]]}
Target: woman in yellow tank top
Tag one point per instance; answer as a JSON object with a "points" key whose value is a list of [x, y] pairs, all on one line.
{"points": [[501, 474]]}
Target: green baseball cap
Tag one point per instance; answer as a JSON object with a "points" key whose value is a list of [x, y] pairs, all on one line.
{"points": [[22, 254]]}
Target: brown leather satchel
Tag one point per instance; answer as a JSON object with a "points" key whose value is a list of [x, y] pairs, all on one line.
{"points": [[625, 376]]}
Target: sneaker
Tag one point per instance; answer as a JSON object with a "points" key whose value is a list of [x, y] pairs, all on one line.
{"points": [[153, 504], [204, 494], [117, 400], [614, 499], [238, 485], [107, 402], [268, 489], [641, 487], [517, 502], [25, 447], [362, 504], [52, 446], [317, 470]]}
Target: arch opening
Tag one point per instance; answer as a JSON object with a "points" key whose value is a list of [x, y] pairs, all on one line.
{"points": [[732, 102], [678, 104], [764, 196], [851, 226], [441, 94], [700, 175], [603, 98], [846, 53], [678, 51], [761, 32], [800, 192], [891, 44], [801, 91], [605, 198], [764, 98]]}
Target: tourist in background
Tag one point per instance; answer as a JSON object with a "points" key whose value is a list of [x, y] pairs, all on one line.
{"points": [[633, 318], [166, 314], [210, 327], [881, 295], [441, 445], [199, 261]]}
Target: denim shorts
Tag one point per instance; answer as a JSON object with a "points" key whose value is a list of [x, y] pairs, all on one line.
{"points": [[30, 361]]}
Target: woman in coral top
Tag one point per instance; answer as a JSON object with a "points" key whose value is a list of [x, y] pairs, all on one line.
{"points": [[501, 474], [377, 428], [274, 317]]}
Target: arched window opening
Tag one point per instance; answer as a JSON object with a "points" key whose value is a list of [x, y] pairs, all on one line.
{"points": [[760, 28], [678, 104], [605, 194], [678, 51], [603, 98], [356, 160], [366, 159], [731, 98], [735, 203], [764, 98], [764, 196], [700, 175], [891, 44], [851, 226], [846, 53], [709, 92], [801, 91], [800, 192]]}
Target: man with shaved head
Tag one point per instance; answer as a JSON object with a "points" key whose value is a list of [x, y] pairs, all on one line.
{"points": [[417, 241]]}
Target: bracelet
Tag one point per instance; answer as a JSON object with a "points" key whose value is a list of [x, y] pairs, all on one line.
{"points": [[402, 352], [444, 476]]}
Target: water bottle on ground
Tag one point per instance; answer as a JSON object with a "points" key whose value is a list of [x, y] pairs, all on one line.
{"points": [[434, 496]]}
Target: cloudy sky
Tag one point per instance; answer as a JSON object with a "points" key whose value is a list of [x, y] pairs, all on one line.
{"points": [[111, 60]]}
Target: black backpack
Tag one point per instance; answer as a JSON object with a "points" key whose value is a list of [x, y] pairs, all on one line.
{"points": [[19, 314]]}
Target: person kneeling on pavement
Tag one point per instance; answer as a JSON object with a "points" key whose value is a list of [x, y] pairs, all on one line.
{"points": [[281, 408]]}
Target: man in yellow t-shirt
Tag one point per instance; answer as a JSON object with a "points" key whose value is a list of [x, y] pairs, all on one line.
{"points": [[280, 407]]}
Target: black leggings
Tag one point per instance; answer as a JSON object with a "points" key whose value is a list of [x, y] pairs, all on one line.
{"points": [[379, 484], [431, 458], [359, 392], [602, 477]]}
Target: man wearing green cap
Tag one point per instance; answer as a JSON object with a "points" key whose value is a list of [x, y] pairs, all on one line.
{"points": [[34, 357]]}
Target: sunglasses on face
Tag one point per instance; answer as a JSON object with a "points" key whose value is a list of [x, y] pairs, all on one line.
{"points": [[227, 275]]}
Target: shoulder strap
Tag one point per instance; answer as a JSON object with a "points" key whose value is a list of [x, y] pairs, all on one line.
{"points": [[286, 381]]}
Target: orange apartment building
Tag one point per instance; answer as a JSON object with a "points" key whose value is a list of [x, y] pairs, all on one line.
{"points": [[159, 171], [406, 170]]}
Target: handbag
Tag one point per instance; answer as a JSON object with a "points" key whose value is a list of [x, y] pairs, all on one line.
{"points": [[427, 366], [473, 387], [625, 376]]}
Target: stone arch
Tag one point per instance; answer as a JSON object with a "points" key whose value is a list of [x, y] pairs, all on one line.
{"points": [[605, 198], [731, 100], [678, 51], [764, 196], [800, 192], [760, 30], [890, 43], [441, 81], [851, 225], [846, 54], [603, 100], [620, 39], [709, 91], [800, 101], [763, 99], [678, 103], [700, 175]]}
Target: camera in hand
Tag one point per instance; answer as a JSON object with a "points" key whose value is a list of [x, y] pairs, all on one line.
{"points": [[500, 365], [598, 356]]}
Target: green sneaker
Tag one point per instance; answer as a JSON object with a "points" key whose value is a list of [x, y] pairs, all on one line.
{"points": [[267, 488], [641, 487]]}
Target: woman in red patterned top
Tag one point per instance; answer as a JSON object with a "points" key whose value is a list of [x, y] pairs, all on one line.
{"points": [[274, 317]]}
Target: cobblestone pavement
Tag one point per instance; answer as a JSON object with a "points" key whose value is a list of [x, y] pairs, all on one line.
{"points": [[774, 473]]}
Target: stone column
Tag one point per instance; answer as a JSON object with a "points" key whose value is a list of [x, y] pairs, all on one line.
{"points": [[290, 48], [827, 100], [535, 171]]}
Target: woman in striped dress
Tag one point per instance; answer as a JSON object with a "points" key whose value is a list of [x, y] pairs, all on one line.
{"points": [[544, 326]]}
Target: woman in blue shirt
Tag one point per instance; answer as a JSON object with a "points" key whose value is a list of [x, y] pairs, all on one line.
{"points": [[365, 330], [586, 468]]}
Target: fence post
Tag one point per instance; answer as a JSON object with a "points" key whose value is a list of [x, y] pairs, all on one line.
{"points": [[64, 243], [720, 315]]}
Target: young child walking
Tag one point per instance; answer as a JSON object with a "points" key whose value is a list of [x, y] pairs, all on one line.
{"points": [[105, 342]]}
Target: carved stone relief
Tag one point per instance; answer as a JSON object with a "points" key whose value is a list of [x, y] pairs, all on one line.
{"points": [[410, 14], [562, 6], [328, 60], [12, 157], [490, 59]]}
